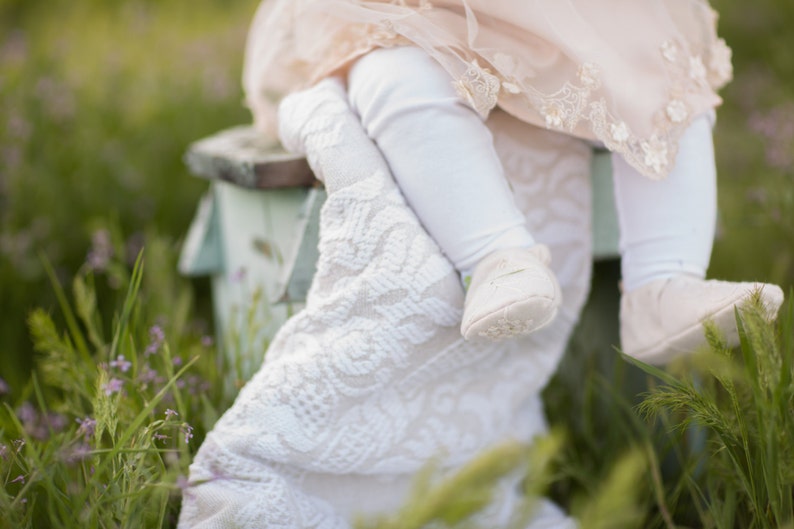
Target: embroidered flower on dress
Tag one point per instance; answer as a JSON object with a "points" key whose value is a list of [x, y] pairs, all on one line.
{"points": [[589, 75], [720, 62], [669, 51], [620, 132], [385, 30], [697, 70], [676, 110], [655, 151], [478, 87], [554, 115]]}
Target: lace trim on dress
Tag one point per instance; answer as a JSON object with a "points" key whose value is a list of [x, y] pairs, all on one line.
{"points": [[577, 100], [574, 102]]}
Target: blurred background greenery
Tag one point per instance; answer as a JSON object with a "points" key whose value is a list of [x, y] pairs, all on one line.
{"points": [[99, 100]]}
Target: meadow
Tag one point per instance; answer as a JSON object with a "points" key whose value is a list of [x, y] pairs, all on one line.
{"points": [[111, 373]]}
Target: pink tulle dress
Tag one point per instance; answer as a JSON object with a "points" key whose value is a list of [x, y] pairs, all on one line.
{"points": [[630, 74]]}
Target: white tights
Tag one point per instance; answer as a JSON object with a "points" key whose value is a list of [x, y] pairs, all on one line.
{"points": [[443, 159]]}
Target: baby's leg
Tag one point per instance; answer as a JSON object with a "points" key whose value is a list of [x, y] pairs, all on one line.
{"points": [[440, 152], [667, 228], [443, 159]]}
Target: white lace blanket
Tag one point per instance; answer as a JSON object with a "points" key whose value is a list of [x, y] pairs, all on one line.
{"points": [[372, 379]]}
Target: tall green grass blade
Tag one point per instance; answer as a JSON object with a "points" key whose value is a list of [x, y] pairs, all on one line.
{"points": [[129, 303], [86, 308], [66, 310]]}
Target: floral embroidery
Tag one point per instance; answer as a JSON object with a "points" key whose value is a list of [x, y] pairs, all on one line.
{"points": [[479, 87], [578, 100], [386, 30], [655, 151], [676, 110], [589, 75], [720, 63], [554, 116], [697, 70], [620, 132]]}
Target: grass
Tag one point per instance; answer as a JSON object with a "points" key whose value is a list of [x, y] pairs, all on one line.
{"points": [[105, 429], [104, 382]]}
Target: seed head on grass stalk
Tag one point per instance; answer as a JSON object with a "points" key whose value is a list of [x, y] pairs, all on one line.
{"points": [[455, 500], [743, 402]]}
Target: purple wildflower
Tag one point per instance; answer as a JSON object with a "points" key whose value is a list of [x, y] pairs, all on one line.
{"points": [[156, 339], [187, 430], [170, 413], [4, 388], [207, 340], [113, 385], [4, 452], [121, 363], [19, 479], [161, 437], [37, 425], [147, 374], [87, 427]]}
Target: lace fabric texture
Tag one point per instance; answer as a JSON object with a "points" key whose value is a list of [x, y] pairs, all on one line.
{"points": [[629, 74], [372, 379]]}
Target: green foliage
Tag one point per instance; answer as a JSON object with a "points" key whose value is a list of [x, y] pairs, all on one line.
{"points": [[103, 434], [742, 404], [99, 102]]}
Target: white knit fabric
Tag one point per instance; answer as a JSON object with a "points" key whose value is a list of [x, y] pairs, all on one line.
{"points": [[372, 379]]}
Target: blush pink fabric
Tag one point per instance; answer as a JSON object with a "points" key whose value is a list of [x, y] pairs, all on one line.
{"points": [[628, 74]]}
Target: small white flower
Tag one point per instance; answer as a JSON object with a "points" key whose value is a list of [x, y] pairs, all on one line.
{"points": [[588, 75], [720, 62], [620, 132], [697, 71], [669, 51], [676, 110], [655, 151], [478, 87], [554, 116]]}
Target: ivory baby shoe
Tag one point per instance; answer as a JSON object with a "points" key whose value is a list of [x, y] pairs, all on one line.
{"points": [[664, 318], [512, 293]]}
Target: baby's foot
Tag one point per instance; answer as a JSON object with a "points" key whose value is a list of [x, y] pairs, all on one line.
{"points": [[512, 293], [664, 318]]}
